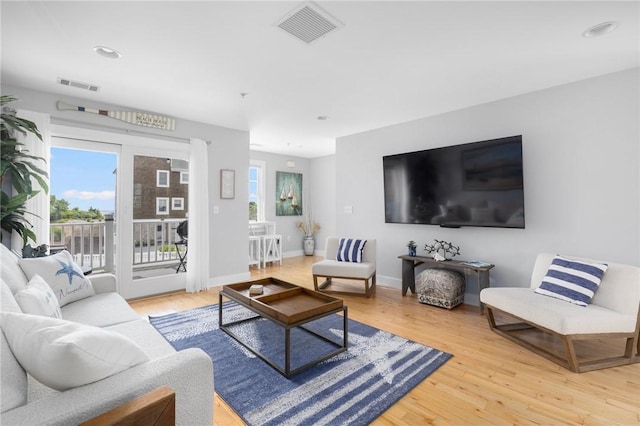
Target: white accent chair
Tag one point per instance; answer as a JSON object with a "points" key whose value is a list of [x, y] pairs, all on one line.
{"points": [[614, 312], [330, 268]]}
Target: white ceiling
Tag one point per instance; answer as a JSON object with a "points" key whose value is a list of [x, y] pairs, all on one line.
{"points": [[391, 62]]}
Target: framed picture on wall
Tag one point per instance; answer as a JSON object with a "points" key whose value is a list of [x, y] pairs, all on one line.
{"points": [[227, 184], [288, 194]]}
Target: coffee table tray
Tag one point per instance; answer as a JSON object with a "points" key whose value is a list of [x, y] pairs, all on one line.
{"points": [[270, 285], [284, 302]]}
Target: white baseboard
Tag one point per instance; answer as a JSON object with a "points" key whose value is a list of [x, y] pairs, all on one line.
{"points": [[391, 282], [229, 279], [295, 253]]}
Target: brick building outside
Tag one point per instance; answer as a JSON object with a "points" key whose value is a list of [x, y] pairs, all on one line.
{"points": [[160, 192], [161, 187]]}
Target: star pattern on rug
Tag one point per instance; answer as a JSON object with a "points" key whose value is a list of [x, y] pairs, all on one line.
{"points": [[248, 333], [375, 350], [68, 269]]}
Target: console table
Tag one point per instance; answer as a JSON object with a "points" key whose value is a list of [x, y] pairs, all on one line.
{"points": [[409, 264]]}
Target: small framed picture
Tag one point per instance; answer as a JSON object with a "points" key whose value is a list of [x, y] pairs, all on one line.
{"points": [[227, 184]]}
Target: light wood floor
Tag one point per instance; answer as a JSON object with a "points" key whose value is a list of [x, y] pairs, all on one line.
{"points": [[488, 381]]}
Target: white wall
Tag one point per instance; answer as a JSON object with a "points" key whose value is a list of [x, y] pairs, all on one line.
{"points": [[229, 150], [581, 161], [323, 197]]}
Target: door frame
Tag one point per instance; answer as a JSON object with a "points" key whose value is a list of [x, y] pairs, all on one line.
{"points": [[126, 146]]}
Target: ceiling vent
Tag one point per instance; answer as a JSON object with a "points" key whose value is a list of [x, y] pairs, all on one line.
{"points": [[308, 23], [78, 84]]}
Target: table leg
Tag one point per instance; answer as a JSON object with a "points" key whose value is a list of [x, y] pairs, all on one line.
{"points": [[287, 351], [408, 277], [345, 328], [219, 309], [483, 282]]}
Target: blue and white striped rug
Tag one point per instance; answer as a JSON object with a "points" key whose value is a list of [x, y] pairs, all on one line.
{"points": [[352, 388]]}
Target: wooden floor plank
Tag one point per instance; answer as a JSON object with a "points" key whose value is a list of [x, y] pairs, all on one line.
{"points": [[489, 380]]}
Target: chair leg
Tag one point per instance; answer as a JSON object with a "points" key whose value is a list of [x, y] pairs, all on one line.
{"points": [[369, 286], [570, 351], [324, 284], [490, 318], [628, 348], [373, 284]]}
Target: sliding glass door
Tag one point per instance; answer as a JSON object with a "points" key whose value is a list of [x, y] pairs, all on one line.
{"points": [[150, 201]]}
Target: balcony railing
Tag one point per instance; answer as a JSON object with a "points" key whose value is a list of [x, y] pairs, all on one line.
{"points": [[92, 243], [154, 241]]}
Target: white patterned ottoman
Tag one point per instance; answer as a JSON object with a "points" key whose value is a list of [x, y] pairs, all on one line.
{"points": [[440, 287]]}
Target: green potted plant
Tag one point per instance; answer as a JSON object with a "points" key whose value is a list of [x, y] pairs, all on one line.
{"points": [[411, 245], [17, 173]]}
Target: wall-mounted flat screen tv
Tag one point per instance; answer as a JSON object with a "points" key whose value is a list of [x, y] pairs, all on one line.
{"points": [[473, 184]]}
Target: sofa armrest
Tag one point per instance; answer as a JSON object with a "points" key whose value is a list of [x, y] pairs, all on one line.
{"points": [[104, 283], [189, 373]]}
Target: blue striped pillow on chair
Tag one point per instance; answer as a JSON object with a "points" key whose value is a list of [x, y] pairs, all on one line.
{"points": [[350, 250], [572, 280]]}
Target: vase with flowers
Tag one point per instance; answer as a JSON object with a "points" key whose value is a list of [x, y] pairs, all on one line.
{"points": [[308, 227]]}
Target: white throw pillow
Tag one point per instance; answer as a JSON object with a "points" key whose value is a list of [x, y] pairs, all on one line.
{"points": [[64, 276], [38, 299], [63, 354]]}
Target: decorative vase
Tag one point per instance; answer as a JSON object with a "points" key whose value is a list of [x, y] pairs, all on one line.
{"points": [[309, 245], [412, 251]]}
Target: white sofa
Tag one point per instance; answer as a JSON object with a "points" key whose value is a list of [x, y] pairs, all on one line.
{"points": [[614, 312], [25, 401]]}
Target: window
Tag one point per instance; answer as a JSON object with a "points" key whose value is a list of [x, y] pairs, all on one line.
{"points": [[137, 195], [184, 178], [162, 205], [162, 179], [256, 191], [177, 203]]}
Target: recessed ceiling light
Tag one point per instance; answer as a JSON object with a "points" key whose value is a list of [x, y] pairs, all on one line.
{"points": [[107, 52], [600, 29]]}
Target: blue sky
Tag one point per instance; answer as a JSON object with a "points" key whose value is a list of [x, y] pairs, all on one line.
{"points": [[84, 178]]}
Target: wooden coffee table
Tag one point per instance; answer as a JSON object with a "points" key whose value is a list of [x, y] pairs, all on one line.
{"points": [[289, 306]]}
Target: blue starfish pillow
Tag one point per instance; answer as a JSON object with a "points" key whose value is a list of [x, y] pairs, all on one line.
{"points": [[63, 276]]}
